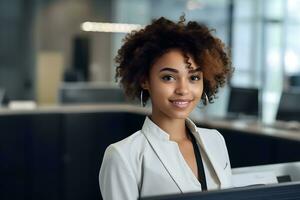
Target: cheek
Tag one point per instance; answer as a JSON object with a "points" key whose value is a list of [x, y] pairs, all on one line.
{"points": [[158, 90], [198, 90], [162, 90]]}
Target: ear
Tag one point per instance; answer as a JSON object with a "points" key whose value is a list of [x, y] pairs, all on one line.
{"points": [[145, 84]]}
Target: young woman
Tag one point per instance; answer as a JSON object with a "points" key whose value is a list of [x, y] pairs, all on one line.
{"points": [[175, 65]]}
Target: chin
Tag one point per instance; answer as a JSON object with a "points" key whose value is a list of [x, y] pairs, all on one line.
{"points": [[180, 113], [177, 115]]}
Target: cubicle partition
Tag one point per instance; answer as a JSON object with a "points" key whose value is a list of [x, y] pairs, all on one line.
{"points": [[86, 137], [57, 155], [246, 148], [31, 152], [253, 144]]}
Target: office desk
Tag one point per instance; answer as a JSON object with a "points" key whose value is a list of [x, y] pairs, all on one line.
{"points": [[250, 127], [84, 108]]}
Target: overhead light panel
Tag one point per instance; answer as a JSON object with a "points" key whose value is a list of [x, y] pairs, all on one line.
{"points": [[109, 27]]}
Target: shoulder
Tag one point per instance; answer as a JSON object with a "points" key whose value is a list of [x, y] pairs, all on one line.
{"points": [[130, 144], [119, 171], [129, 150]]}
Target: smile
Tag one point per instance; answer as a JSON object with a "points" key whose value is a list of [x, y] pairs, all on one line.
{"points": [[180, 103]]}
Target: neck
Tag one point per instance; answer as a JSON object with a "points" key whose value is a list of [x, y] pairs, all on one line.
{"points": [[176, 128]]}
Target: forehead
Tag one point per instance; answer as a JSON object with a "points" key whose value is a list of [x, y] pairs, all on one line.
{"points": [[174, 59]]}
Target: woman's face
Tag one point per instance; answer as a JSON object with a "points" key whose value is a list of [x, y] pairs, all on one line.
{"points": [[174, 89]]}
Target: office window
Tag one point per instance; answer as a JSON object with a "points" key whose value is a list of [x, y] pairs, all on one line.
{"points": [[246, 46], [266, 48], [292, 51]]}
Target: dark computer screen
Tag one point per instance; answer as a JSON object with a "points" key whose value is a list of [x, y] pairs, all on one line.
{"points": [[243, 101], [3, 98], [283, 191], [81, 95], [289, 109], [294, 81]]}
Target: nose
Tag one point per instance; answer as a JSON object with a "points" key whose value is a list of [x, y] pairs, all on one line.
{"points": [[182, 87]]}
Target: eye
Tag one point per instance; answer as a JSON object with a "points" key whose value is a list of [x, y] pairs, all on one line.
{"points": [[167, 78], [195, 78]]}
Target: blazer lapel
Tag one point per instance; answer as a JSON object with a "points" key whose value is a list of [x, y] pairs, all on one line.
{"points": [[166, 151], [218, 163]]}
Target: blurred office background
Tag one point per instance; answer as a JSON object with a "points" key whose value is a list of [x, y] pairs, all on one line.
{"points": [[53, 54], [43, 43]]}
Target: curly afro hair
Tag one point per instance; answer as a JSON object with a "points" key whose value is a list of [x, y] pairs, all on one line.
{"points": [[143, 47]]}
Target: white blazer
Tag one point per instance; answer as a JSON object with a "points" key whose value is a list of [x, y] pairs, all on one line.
{"points": [[147, 163]]}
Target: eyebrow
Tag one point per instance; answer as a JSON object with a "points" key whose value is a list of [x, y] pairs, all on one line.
{"points": [[176, 71]]}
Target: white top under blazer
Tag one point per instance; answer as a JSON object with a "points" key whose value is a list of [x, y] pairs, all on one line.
{"points": [[147, 163]]}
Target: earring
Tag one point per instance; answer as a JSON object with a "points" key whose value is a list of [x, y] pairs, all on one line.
{"points": [[206, 99], [141, 98]]}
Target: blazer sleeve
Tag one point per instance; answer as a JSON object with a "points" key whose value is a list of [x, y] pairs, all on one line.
{"points": [[116, 179]]}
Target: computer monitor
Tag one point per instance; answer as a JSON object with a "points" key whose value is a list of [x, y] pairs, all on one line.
{"points": [[3, 98], [289, 109], [90, 94], [294, 81], [243, 101], [283, 191]]}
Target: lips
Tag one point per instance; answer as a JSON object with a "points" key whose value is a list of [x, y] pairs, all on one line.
{"points": [[180, 103]]}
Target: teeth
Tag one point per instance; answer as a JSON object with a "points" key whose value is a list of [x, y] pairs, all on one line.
{"points": [[180, 102]]}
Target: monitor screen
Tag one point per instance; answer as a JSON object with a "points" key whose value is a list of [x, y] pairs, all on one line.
{"points": [[243, 101], [282, 191], [86, 94], [294, 81], [3, 98], [289, 109]]}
